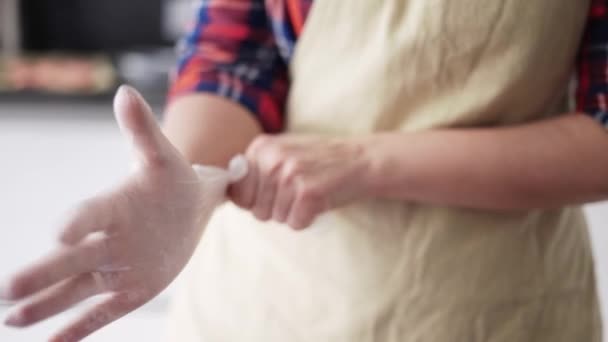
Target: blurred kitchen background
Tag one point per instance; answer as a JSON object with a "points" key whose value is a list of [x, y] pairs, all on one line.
{"points": [[60, 63], [82, 49]]}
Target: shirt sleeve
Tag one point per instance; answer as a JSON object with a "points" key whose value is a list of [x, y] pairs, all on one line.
{"points": [[231, 52], [592, 71]]}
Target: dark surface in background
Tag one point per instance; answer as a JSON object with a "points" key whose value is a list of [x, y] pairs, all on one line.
{"points": [[91, 27], [84, 26], [156, 98]]}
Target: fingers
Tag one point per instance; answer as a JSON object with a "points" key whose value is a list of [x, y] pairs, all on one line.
{"points": [[275, 187], [137, 123], [267, 161], [244, 191], [265, 196], [302, 214], [53, 300], [283, 204], [308, 203], [101, 315], [64, 263], [91, 216]]}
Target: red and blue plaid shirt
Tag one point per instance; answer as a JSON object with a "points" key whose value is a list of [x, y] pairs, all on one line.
{"points": [[239, 49]]}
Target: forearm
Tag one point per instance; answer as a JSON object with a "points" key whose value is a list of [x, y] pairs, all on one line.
{"points": [[546, 164], [208, 129]]}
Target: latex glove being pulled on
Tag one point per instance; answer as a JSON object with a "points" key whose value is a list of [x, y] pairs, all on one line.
{"points": [[129, 242]]}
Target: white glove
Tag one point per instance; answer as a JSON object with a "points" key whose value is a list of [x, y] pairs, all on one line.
{"points": [[130, 242]]}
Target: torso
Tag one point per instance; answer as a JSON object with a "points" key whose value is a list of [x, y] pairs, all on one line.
{"points": [[388, 271]]}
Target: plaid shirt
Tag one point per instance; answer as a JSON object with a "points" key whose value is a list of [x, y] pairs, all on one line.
{"points": [[239, 49]]}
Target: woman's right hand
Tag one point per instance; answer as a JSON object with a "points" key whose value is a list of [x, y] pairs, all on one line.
{"points": [[129, 243]]}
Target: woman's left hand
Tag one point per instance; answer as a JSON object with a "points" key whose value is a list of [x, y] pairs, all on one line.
{"points": [[292, 179]]}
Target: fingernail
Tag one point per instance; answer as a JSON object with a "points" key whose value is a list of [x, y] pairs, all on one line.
{"points": [[13, 321], [124, 96], [130, 92], [126, 89]]}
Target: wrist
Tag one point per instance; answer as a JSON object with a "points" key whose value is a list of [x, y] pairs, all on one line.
{"points": [[374, 164], [385, 156]]}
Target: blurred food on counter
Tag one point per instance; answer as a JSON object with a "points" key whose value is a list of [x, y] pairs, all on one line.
{"points": [[69, 49], [62, 74]]}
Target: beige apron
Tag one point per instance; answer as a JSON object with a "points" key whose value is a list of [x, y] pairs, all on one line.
{"points": [[388, 271]]}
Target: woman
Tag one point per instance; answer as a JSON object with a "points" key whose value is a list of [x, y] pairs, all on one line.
{"points": [[427, 148]]}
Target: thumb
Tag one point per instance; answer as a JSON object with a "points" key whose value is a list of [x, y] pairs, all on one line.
{"points": [[138, 124]]}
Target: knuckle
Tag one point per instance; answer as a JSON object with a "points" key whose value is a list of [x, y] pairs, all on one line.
{"points": [[157, 160], [276, 157], [268, 175], [259, 143], [292, 169], [272, 159], [98, 252], [107, 281]]}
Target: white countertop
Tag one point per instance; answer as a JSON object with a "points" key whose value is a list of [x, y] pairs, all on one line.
{"points": [[52, 156]]}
